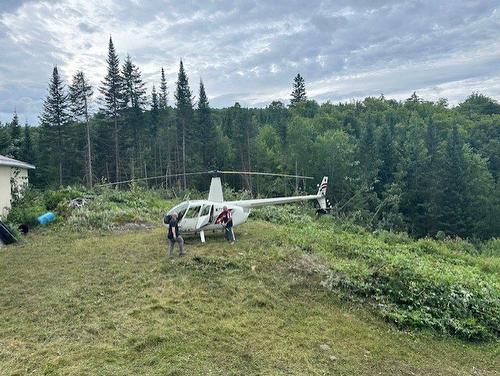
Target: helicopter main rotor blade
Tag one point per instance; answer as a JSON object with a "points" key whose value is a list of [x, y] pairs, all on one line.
{"points": [[263, 173], [205, 173], [152, 178]]}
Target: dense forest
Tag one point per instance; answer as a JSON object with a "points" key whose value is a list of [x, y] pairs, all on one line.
{"points": [[414, 165]]}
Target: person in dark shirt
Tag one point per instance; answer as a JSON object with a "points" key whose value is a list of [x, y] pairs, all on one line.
{"points": [[227, 220], [174, 236]]}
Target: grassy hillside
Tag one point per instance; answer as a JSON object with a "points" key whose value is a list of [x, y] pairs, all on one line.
{"points": [[303, 298]]}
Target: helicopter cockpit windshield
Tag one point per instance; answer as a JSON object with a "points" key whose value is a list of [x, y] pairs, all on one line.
{"points": [[179, 209]]}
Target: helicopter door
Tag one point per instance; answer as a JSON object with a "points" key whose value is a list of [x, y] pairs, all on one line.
{"points": [[205, 215]]}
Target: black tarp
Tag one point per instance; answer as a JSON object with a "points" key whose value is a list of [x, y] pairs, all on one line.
{"points": [[6, 234]]}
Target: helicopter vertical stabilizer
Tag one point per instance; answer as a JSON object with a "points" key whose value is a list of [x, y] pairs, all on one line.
{"points": [[322, 193], [215, 194]]}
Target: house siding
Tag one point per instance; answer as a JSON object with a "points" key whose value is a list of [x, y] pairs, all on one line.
{"points": [[20, 176]]}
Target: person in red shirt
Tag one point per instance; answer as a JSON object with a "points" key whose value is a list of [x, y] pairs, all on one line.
{"points": [[227, 221]]}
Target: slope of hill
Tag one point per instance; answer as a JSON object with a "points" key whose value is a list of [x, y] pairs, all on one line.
{"points": [[286, 299]]}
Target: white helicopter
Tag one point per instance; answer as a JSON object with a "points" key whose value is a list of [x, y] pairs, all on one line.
{"points": [[199, 216]]}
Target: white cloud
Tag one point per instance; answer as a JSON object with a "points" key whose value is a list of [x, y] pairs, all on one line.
{"points": [[250, 52]]}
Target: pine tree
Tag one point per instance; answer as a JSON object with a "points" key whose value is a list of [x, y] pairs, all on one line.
{"points": [[27, 152], [414, 98], [111, 89], [54, 121], [15, 136], [154, 108], [184, 112], [206, 129], [4, 140], [163, 91], [134, 91], [411, 176], [80, 93], [299, 90], [243, 133], [133, 102], [153, 136]]}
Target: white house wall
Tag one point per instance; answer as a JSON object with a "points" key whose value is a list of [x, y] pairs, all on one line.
{"points": [[20, 176]]}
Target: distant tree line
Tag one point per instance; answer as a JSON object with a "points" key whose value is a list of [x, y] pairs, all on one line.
{"points": [[411, 165]]}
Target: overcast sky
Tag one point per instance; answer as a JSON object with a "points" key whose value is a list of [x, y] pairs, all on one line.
{"points": [[249, 51]]}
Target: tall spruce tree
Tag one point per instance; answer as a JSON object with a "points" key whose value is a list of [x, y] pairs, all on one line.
{"points": [[184, 115], [299, 90], [206, 128], [111, 89], [54, 120], [134, 89], [4, 139], [80, 94], [133, 103], [15, 136], [163, 91], [155, 109], [27, 151]]}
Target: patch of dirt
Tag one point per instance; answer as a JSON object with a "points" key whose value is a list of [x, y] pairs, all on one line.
{"points": [[133, 226], [308, 264]]}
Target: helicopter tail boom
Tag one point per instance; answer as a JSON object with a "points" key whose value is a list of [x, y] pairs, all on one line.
{"points": [[320, 197]]}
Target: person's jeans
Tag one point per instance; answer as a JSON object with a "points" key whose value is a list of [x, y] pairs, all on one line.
{"points": [[178, 240], [228, 233]]}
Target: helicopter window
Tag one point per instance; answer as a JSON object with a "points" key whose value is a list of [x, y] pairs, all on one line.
{"points": [[179, 209], [206, 210], [193, 211]]}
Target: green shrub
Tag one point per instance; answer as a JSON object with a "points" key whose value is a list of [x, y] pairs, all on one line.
{"points": [[392, 238], [491, 248], [106, 208], [282, 214], [57, 199], [26, 209], [423, 284]]}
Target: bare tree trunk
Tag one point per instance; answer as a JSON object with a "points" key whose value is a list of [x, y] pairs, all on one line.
{"points": [[89, 149], [155, 157], [132, 169], [166, 178], [60, 156], [177, 158], [60, 171], [89, 157], [117, 155], [184, 156], [296, 178], [248, 161]]}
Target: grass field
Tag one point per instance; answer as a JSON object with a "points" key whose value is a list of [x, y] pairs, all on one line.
{"points": [[112, 304]]}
